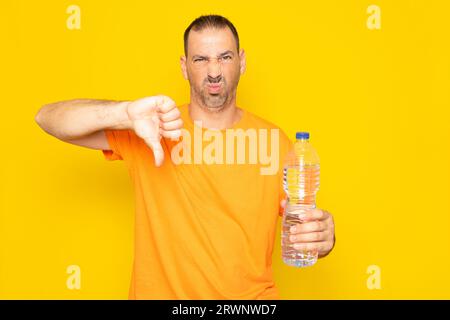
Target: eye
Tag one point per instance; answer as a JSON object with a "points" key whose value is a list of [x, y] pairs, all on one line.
{"points": [[227, 58], [199, 59]]}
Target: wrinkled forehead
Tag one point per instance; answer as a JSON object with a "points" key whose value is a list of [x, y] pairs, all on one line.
{"points": [[211, 42]]}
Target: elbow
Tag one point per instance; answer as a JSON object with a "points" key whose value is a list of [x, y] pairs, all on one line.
{"points": [[46, 120], [38, 118], [41, 118]]}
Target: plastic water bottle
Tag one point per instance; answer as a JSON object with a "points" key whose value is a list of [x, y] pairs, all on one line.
{"points": [[301, 183]]}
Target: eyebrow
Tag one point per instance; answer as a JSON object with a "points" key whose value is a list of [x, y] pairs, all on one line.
{"points": [[220, 55]]}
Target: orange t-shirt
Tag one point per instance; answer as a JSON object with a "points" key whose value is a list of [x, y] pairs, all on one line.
{"points": [[203, 231]]}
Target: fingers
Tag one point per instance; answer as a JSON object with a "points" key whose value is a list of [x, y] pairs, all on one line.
{"points": [[155, 117], [316, 235], [309, 237], [311, 215], [171, 134], [320, 247], [165, 104], [172, 125], [170, 115], [171, 129], [307, 227], [158, 152]]}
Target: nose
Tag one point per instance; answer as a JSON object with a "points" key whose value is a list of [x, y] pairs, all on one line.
{"points": [[214, 79], [214, 70]]}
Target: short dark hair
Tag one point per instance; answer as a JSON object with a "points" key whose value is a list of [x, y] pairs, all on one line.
{"points": [[210, 21]]}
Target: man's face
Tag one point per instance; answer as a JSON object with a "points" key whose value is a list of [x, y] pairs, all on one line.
{"points": [[213, 66]]}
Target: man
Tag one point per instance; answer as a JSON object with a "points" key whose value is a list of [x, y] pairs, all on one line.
{"points": [[204, 229]]}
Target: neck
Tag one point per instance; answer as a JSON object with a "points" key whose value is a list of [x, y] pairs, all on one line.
{"points": [[212, 118]]}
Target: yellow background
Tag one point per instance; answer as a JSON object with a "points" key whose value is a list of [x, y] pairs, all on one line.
{"points": [[375, 101]]}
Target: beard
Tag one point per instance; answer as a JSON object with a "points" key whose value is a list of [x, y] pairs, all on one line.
{"points": [[213, 102]]}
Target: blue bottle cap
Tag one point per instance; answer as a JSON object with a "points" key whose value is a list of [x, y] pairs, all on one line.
{"points": [[302, 135]]}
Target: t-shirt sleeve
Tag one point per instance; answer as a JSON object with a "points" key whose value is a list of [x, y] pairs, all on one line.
{"points": [[120, 142]]}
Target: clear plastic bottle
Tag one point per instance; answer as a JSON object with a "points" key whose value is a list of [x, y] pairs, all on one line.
{"points": [[301, 183]]}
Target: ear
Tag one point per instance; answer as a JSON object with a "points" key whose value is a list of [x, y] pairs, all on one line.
{"points": [[183, 67], [243, 63]]}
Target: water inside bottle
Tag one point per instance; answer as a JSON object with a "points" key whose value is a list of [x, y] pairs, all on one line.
{"points": [[301, 183], [292, 256]]}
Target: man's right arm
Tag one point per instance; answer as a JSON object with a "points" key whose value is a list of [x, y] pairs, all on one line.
{"points": [[83, 121]]}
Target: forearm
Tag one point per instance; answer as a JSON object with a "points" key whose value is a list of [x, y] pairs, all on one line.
{"points": [[74, 119]]}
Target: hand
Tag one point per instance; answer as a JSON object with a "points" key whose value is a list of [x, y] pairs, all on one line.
{"points": [[316, 233], [155, 117]]}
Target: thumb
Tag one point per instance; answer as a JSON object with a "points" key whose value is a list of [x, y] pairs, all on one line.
{"points": [[158, 152]]}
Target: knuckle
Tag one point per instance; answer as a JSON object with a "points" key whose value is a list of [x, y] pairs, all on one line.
{"points": [[322, 214]]}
